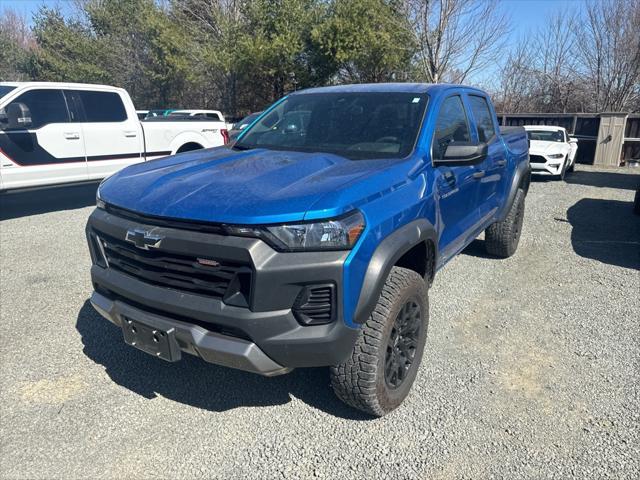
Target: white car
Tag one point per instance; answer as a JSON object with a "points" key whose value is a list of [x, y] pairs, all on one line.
{"points": [[212, 114], [551, 151], [55, 133]]}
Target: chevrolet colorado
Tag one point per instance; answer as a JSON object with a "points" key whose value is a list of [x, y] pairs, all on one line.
{"points": [[313, 239]]}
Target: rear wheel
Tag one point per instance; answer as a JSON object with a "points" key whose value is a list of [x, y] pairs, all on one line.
{"points": [[502, 238], [378, 375]]}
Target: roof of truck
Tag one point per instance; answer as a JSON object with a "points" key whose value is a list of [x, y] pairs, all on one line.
{"points": [[385, 87], [57, 85]]}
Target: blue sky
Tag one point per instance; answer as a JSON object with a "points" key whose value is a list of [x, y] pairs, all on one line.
{"points": [[526, 14]]}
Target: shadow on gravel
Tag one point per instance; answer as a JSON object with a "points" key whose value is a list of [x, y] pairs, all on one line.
{"points": [[623, 181], [193, 382], [606, 230], [477, 249], [35, 202]]}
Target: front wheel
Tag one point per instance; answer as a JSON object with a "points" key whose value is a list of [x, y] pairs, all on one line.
{"points": [[378, 375], [563, 171], [572, 167]]}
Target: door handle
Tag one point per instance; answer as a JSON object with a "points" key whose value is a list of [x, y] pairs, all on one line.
{"points": [[72, 135], [130, 134], [478, 174], [501, 163]]}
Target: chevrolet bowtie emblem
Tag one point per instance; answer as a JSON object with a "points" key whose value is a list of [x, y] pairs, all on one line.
{"points": [[143, 239]]}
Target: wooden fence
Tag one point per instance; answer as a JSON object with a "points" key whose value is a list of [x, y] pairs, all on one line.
{"points": [[603, 138]]}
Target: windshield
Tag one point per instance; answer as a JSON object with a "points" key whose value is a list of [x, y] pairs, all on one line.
{"points": [[546, 135], [4, 89], [354, 125], [244, 123]]}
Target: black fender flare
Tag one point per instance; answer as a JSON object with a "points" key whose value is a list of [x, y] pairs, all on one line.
{"points": [[521, 179], [385, 256]]}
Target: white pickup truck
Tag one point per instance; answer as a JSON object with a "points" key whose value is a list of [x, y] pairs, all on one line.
{"points": [[55, 133]]}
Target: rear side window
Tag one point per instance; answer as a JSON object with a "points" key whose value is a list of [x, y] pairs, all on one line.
{"points": [[484, 119], [102, 106], [451, 126], [214, 116], [46, 106]]}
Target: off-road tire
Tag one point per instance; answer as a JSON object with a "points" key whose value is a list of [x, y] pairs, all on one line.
{"points": [[501, 238], [361, 381]]}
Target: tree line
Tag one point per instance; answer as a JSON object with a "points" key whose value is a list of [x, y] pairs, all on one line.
{"points": [[241, 55]]}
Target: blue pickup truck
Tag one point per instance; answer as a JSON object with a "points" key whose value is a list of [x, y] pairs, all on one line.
{"points": [[312, 241]]}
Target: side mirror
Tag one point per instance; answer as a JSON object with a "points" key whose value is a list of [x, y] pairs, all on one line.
{"points": [[573, 140], [460, 153], [18, 116]]}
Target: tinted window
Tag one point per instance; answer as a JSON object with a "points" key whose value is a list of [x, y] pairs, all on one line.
{"points": [[46, 106], [451, 126], [5, 89], [484, 119], [213, 116], [102, 106], [354, 125]]}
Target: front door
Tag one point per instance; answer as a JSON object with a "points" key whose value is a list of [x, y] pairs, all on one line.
{"points": [[49, 151], [457, 185]]}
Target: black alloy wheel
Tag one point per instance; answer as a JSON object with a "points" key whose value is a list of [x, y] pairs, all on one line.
{"points": [[402, 343]]}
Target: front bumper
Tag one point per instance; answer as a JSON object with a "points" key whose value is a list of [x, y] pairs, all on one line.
{"points": [[263, 337], [546, 166]]}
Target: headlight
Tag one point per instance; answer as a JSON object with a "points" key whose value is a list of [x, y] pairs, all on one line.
{"points": [[556, 155], [335, 234], [99, 202]]}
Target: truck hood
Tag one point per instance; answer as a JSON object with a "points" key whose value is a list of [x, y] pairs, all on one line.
{"points": [[539, 147], [242, 187]]}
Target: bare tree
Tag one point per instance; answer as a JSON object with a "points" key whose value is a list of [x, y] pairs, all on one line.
{"points": [[16, 40], [609, 52], [455, 38], [516, 82]]}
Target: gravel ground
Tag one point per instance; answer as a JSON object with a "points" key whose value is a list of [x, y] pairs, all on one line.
{"points": [[532, 365]]}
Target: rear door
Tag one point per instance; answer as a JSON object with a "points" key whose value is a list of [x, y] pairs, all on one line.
{"points": [[491, 172], [112, 139], [456, 184], [49, 151]]}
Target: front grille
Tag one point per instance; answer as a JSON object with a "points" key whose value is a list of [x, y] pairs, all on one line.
{"points": [[219, 279], [537, 159], [178, 223], [315, 305]]}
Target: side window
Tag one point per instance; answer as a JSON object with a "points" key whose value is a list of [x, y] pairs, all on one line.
{"points": [[451, 126], [102, 106], [484, 119], [213, 116], [46, 106]]}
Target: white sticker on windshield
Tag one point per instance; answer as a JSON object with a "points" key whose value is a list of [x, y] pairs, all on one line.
{"points": [[415, 99]]}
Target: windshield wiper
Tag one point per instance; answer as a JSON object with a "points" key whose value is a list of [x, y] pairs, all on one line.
{"points": [[239, 146]]}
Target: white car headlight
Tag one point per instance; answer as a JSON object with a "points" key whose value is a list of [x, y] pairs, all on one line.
{"points": [[556, 155]]}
